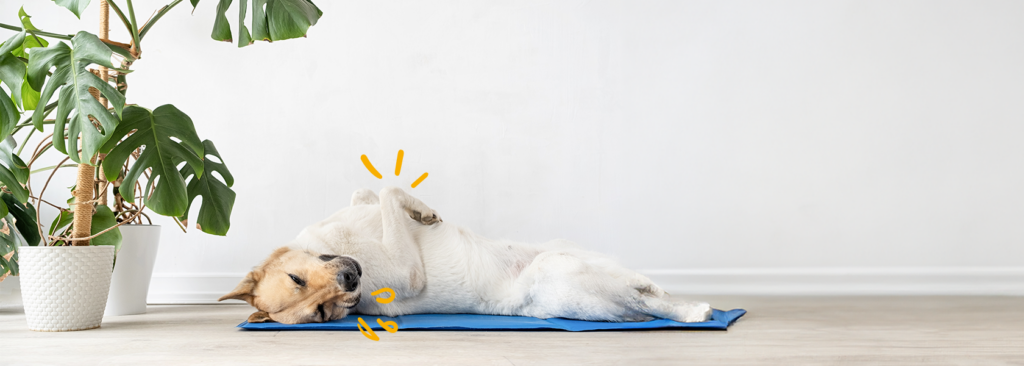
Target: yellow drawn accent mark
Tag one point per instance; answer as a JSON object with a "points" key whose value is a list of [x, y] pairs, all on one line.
{"points": [[398, 164], [384, 300], [369, 166], [389, 326], [398, 168], [420, 179], [372, 336]]}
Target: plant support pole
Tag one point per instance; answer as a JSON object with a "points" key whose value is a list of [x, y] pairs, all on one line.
{"points": [[86, 172], [83, 203], [100, 185]]}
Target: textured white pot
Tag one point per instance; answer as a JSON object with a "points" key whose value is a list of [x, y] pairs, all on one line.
{"points": [[65, 288], [133, 270]]}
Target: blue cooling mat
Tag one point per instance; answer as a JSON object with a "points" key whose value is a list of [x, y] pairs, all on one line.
{"points": [[719, 320]]}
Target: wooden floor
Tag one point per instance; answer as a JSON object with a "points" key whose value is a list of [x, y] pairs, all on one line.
{"points": [[776, 331]]}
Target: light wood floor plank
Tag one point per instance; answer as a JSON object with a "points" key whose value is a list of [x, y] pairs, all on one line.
{"points": [[777, 330]]}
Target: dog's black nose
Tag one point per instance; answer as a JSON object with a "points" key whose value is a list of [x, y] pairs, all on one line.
{"points": [[327, 257], [348, 279], [348, 275]]}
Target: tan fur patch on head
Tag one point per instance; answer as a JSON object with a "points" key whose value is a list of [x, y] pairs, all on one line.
{"points": [[296, 286]]}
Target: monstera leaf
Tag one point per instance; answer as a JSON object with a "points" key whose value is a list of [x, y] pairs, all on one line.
{"points": [[13, 70], [8, 114], [13, 173], [25, 219], [74, 99], [12, 73], [8, 247], [76, 6], [272, 20], [218, 198], [103, 219], [155, 130]]}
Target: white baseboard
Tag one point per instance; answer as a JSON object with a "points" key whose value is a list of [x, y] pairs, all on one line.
{"points": [[192, 288], [965, 281], [205, 288], [843, 281]]}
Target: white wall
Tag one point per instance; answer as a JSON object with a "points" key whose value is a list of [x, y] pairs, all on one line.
{"points": [[741, 146]]}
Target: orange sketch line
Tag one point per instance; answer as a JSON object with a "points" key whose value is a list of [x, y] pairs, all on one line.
{"points": [[369, 333], [390, 326], [398, 164], [366, 162], [384, 300], [418, 180]]}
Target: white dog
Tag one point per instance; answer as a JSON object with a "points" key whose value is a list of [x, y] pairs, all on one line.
{"points": [[397, 242]]}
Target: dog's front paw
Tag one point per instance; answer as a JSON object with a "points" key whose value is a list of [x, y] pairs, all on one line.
{"points": [[694, 312], [432, 219], [429, 218]]}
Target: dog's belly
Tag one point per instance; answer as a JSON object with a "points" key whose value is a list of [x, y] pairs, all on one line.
{"points": [[461, 280], [465, 273]]}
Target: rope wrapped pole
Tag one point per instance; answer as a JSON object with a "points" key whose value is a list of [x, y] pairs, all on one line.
{"points": [[86, 183], [83, 203], [105, 75]]}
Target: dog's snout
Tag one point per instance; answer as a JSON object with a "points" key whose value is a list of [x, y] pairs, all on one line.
{"points": [[348, 279], [327, 257], [348, 275], [351, 263]]}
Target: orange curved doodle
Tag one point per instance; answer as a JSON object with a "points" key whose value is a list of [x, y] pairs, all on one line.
{"points": [[389, 326], [398, 168], [384, 300], [367, 332]]}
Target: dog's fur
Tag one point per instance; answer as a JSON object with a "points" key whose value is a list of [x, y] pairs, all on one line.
{"points": [[395, 241]]}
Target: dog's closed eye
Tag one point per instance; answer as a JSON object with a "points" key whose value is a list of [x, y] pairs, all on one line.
{"points": [[297, 280]]}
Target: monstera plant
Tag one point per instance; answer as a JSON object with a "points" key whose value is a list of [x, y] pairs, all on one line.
{"points": [[74, 88]]}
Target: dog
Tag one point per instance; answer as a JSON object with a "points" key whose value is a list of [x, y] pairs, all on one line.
{"points": [[396, 241]]}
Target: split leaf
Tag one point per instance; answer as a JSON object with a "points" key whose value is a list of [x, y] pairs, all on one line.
{"points": [[154, 131], [218, 198], [74, 101]]}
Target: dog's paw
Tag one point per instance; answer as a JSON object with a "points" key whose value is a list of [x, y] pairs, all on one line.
{"points": [[694, 312], [426, 219]]}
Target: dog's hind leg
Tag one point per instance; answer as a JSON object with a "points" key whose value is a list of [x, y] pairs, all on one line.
{"points": [[644, 296], [364, 197], [661, 307], [576, 285]]}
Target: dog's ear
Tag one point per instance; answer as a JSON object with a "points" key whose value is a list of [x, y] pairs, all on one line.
{"points": [[244, 289], [259, 317]]}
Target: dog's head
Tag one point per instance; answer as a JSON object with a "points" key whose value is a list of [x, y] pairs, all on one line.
{"points": [[299, 286]]}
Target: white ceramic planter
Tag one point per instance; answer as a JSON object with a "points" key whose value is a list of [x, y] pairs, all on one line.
{"points": [[133, 270], [65, 288]]}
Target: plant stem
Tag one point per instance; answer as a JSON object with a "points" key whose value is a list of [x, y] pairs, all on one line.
{"points": [[120, 14], [39, 32], [135, 28], [54, 171], [149, 24], [45, 122], [27, 122], [25, 142], [46, 112], [51, 167]]}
